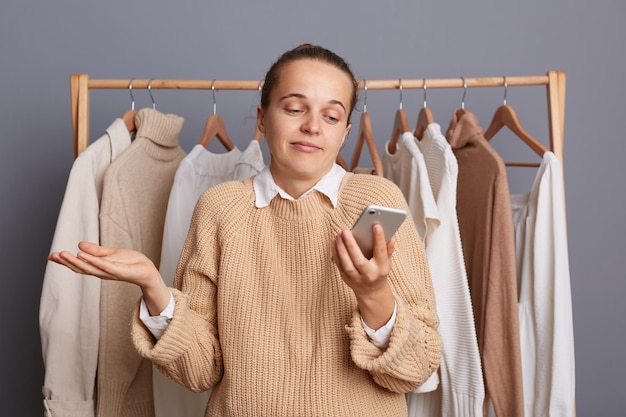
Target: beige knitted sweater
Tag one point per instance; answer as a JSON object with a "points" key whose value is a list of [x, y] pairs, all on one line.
{"points": [[134, 202], [263, 316]]}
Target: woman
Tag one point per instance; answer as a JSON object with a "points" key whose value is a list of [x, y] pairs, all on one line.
{"points": [[275, 307]]}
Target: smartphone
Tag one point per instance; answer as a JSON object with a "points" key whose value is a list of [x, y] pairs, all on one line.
{"points": [[389, 218]]}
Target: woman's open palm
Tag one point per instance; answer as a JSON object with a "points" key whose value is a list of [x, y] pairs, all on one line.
{"points": [[110, 264]]}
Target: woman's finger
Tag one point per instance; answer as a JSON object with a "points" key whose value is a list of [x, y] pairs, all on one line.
{"points": [[353, 248], [96, 250], [123, 265], [341, 256], [81, 266], [391, 245], [380, 246]]}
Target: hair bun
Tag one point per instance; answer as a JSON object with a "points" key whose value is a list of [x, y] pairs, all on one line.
{"points": [[305, 46]]}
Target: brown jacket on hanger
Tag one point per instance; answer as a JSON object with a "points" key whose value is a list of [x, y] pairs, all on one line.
{"points": [[134, 202], [487, 237]]}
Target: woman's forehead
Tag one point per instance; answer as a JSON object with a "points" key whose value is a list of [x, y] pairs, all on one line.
{"points": [[315, 77]]}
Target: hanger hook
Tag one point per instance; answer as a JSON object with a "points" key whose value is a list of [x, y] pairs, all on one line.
{"points": [[505, 88], [150, 92], [365, 96], [132, 98], [213, 93], [425, 92], [464, 92], [400, 93]]}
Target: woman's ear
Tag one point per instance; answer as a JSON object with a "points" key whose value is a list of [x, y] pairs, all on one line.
{"points": [[260, 123], [345, 135]]}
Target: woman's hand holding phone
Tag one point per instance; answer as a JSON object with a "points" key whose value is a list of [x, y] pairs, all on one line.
{"points": [[367, 275]]}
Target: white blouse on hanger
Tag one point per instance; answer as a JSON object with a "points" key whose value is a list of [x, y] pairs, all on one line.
{"points": [[461, 390], [198, 171], [407, 169], [545, 303]]}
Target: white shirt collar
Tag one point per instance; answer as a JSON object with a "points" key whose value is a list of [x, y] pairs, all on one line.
{"points": [[265, 188]]}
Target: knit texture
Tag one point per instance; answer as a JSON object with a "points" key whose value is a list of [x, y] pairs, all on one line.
{"points": [[461, 390], [134, 202], [263, 317], [486, 227]]}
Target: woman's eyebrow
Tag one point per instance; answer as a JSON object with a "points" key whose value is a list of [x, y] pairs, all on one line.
{"points": [[302, 96], [296, 95], [339, 103]]}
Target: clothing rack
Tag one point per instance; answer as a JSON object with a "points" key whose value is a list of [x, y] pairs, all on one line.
{"points": [[81, 84], [554, 80]]}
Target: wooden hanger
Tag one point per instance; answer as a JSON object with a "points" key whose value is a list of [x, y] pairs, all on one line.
{"points": [[424, 118], [214, 127], [365, 135], [505, 116], [400, 125], [129, 120]]}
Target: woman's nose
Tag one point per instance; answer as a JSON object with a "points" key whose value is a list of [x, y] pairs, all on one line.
{"points": [[311, 124]]}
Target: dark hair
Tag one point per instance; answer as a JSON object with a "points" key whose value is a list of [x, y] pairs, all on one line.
{"points": [[307, 51]]}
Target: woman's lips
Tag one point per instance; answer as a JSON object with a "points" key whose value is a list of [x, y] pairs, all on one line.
{"points": [[305, 146]]}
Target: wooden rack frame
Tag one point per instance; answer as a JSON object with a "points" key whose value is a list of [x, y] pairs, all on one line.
{"points": [[81, 84]]}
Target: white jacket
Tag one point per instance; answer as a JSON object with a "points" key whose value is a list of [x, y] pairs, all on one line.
{"points": [[69, 310]]}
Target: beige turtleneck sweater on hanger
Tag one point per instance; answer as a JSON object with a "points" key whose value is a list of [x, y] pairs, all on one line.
{"points": [[134, 202]]}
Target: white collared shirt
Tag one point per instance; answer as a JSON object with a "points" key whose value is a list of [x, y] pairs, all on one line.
{"points": [[266, 189]]}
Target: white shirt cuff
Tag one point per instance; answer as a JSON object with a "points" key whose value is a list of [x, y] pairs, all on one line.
{"points": [[430, 385], [157, 324], [380, 337]]}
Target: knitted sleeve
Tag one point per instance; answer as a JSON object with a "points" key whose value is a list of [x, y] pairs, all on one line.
{"points": [[189, 350], [414, 346], [184, 350]]}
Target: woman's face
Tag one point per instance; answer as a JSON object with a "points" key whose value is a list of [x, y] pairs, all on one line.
{"points": [[306, 120]]}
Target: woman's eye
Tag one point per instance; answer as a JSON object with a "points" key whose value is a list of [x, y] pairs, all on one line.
{"points": [[294, 111], [332, 119]]}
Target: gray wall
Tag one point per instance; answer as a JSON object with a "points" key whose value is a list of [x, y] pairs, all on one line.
{"points": [[43, 42]]}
